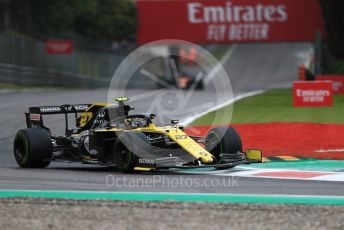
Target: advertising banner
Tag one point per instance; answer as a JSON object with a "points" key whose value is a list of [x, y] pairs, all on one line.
{"points": [[337, 82], [227, 21], [312, 93], [56, 46]]}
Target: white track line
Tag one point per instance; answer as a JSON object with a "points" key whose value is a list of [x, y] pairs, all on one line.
{"points": [[331, 176], [190, 119], [211, 75], [329, 150], [250, 172]]}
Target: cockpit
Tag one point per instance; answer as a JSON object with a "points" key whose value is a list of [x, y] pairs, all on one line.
{"points": [[131, 122], [115, 117]]}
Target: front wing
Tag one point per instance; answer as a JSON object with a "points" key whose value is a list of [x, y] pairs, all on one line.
{"points": [[227, 161]]}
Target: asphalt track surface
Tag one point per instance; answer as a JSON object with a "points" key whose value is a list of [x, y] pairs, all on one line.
{"points": [[251, 67]]}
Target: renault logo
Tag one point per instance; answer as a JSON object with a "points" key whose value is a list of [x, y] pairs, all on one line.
{"points": [[101, 113]]}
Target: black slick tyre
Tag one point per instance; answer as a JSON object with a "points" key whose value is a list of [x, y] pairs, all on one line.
{"points": [[32, 148], [223, 140]]}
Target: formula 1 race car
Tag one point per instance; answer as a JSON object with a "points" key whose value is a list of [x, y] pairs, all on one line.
{"points": [[106, 134], [183, 81]]}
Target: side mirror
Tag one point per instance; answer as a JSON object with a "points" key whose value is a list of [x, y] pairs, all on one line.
{"points": [[152, 116], [174, 122]]}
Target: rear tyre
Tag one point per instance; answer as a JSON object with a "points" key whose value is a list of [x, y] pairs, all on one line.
{"points": [[33, 148], [223, 140]]}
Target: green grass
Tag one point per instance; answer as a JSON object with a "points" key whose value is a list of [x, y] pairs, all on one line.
{"points": [[277, 106], [10, 86], [16, 87]]}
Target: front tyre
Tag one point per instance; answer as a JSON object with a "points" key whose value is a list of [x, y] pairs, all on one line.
{"points": [[124, 159], [33, 148], [223, 140], [129, 148]]}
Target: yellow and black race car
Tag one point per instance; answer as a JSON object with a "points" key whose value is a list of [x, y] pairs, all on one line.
{"points": [[106, 134]]}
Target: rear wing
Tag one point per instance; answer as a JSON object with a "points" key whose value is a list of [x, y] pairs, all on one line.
{"points": [[52, 109], [34, 116]]}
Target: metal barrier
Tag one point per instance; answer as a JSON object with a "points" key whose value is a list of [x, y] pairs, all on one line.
{"points": [[25, 61], [31, 76], [22, 50]]}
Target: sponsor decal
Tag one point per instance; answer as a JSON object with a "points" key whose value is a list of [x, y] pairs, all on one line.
{"points": [[76, 107], [58, 108], [101, 121], [57, 46], [35, 117], [80, 107], [337, 82], [312, 93], [50, 109], [237, 22], [101, 113], [228, 12], [146, 162], [203, 154], [229, 20], [181, 137]]}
